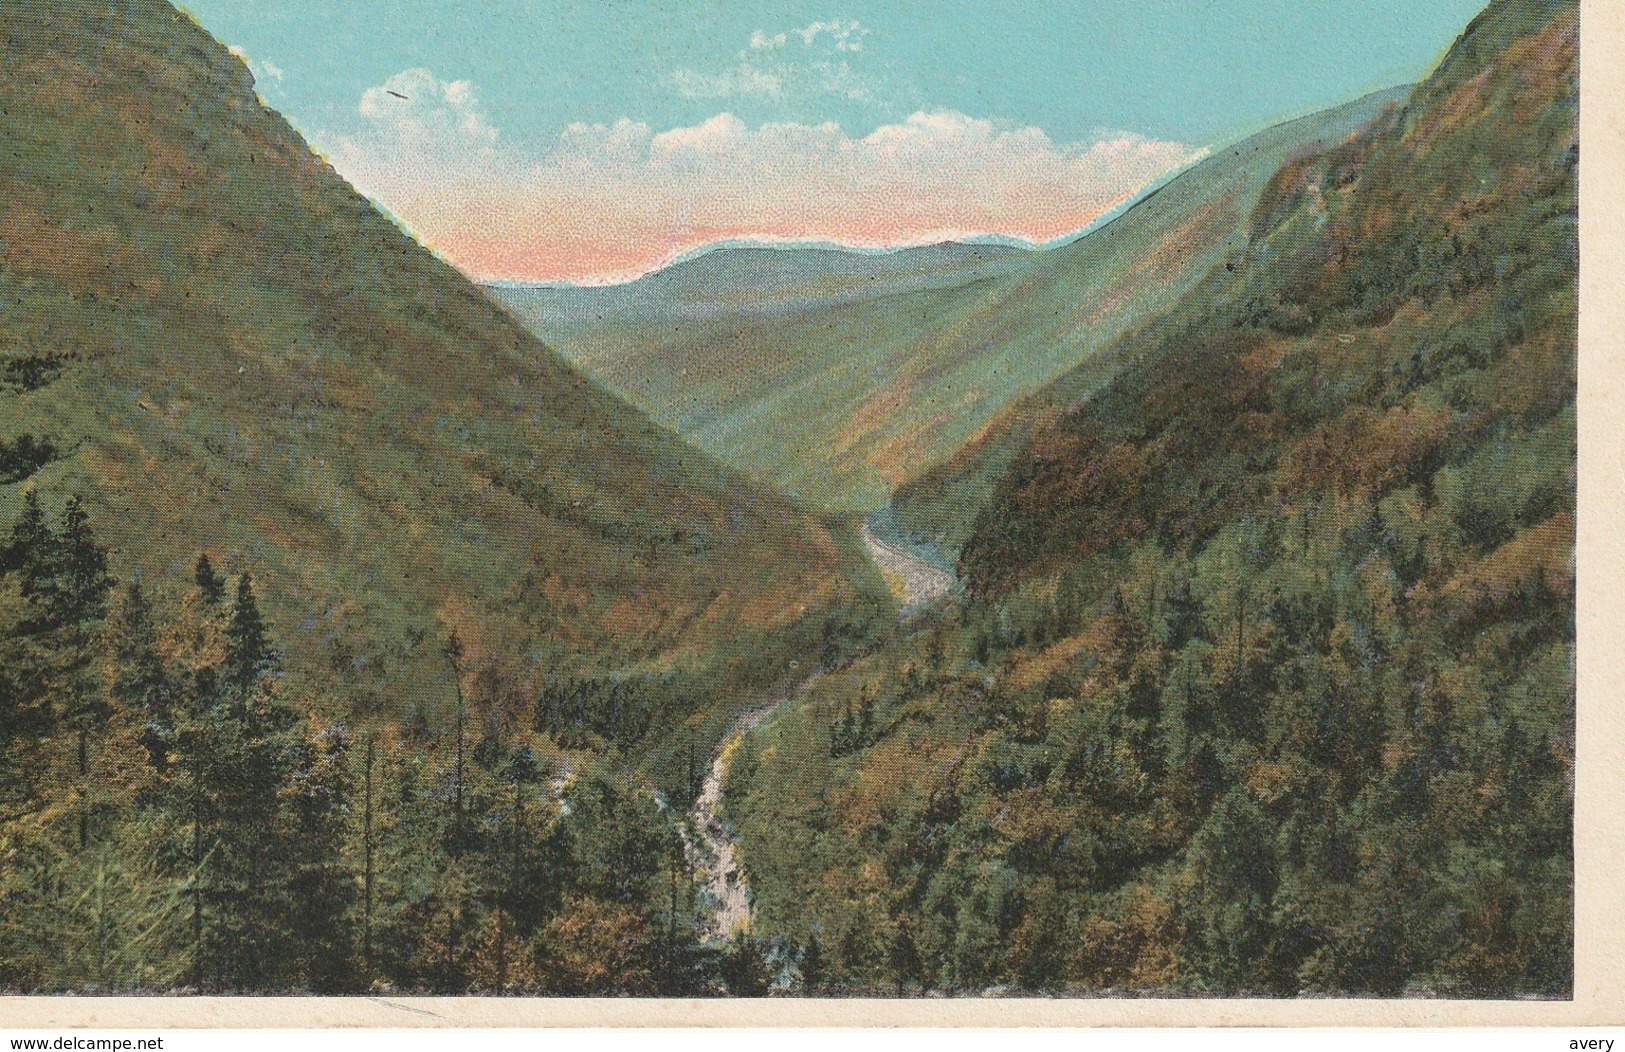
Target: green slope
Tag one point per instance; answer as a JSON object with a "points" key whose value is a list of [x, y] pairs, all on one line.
{"points": [[1128, 272], [233, 351], [840, 398], [1263, 680]]}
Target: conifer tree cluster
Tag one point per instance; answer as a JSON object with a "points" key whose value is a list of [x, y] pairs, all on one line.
{"points": [[173, 817]]}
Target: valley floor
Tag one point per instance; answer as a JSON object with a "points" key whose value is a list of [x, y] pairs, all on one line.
{"points": [[914, 581]]}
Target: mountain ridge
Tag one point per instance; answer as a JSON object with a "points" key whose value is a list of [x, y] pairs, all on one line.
{"points": [[248, 358]]}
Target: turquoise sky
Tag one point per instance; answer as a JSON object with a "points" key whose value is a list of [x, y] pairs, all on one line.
{"points": [[1194, 71], [575, 140]]}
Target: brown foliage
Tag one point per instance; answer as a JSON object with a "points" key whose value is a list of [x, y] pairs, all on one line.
{"points": [[597, 948]]}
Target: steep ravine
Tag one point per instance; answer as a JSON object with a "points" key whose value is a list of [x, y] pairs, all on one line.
{"points": [[709, 845], [707, 841]]}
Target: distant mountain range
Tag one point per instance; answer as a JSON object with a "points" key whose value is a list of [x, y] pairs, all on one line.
{"points": [[842, 375], [757, 277]]}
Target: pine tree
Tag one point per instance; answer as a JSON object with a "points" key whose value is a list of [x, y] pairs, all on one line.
{"points": [[209, 583], [842, 733], [141, 684], [829, 650], [25, 676], [745, 969], [85, 582], [812, 965], [229, 792], [64, 571], [63, 582], [1184, 621], [538, 850], [618, 840], [369, 856], [422, 894], [459, 832], [1126, 633], [322, 890], [31, 535], [522, 770], [249, 654], [138, 667]]}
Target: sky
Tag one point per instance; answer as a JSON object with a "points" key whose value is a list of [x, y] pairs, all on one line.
{"points": [[592, 140]]}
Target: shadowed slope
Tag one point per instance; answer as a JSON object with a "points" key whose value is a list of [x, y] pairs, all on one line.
{"points": [[244, 356]]}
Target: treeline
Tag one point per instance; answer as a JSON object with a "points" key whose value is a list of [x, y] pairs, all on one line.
{"points": [[170, 818]]}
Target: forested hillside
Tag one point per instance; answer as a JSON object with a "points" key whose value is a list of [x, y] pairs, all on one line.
{"points": [[322, 581], [1263, 680], [219, 346]]}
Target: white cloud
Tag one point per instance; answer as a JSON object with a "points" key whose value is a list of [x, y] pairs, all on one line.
{"points": [[424, 145], [620, 198], [840, 79], [844, 35], [416, 106], [767, 70], [742, 81], [581, 145]]}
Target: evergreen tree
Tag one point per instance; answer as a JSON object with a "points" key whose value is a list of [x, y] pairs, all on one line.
{"points": [[236, 755], [526, 887], [63, 583], [812, 966], [1126, 634], [141, 684], [459, 828], [842, 733], [530, 889], [618, 840], [31, 535], [866, 716], [322, 889], [24, 685], [63, 571], [84, 582], [425, 900], [249, 654], [210, 584], [369, 842], [745, 968], [138, 669], [1184, 621]]}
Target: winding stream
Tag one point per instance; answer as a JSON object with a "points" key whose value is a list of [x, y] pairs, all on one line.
{"points": [[707, 842]]}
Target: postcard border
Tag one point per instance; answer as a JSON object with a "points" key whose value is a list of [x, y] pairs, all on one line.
{"points": [[1599, 993]]}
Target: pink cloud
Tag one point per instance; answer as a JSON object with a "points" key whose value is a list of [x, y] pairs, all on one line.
{"points": [[614, 201]]}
